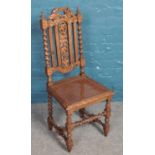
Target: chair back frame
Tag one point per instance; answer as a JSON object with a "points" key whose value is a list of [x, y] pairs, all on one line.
{"points": [[62, 39]]}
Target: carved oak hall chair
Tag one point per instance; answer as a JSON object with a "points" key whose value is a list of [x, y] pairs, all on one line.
{"points": [[62, 39]]}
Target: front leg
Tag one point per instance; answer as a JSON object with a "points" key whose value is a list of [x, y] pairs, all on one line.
{"points": [[50, 113], [107, 116], [69, 141]]}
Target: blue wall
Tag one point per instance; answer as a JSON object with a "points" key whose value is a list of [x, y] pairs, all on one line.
{"points": [[102, 38]]}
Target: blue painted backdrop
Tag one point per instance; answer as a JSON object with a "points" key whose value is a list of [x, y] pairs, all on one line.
{"points": [[102, 38]]}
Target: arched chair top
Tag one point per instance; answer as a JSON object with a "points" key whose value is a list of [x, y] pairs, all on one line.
{"points": [[63, 12], [56, 12]]}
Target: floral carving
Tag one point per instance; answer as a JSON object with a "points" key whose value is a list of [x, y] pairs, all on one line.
{"points": [[64, 44]]}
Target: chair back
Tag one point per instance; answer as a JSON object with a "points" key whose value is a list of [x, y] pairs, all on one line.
{"points": [[62, 39]]}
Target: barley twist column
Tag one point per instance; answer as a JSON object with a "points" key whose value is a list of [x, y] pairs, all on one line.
{"points": [[82, 61], [69, 141], [46, 52], [107, 116]]}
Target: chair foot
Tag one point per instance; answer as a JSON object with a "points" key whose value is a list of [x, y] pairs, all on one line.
{"points": [[107, 110], [69, 146], [106, 129]]}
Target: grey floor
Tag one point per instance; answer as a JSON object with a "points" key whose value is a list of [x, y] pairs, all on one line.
{"points": [[88, 139]]}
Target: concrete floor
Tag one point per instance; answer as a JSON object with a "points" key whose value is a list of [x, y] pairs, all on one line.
{"points": [[87, 139]]}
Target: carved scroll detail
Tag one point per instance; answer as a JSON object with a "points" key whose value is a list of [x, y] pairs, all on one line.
{"points": [[55, 14]]}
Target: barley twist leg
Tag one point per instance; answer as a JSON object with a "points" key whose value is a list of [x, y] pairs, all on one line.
{"points": [[69, 141], [50, 113], [107, 116]]}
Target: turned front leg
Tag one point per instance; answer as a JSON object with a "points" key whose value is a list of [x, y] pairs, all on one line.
{"points": [[107, 116], [50, 113], [69, 141]]}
